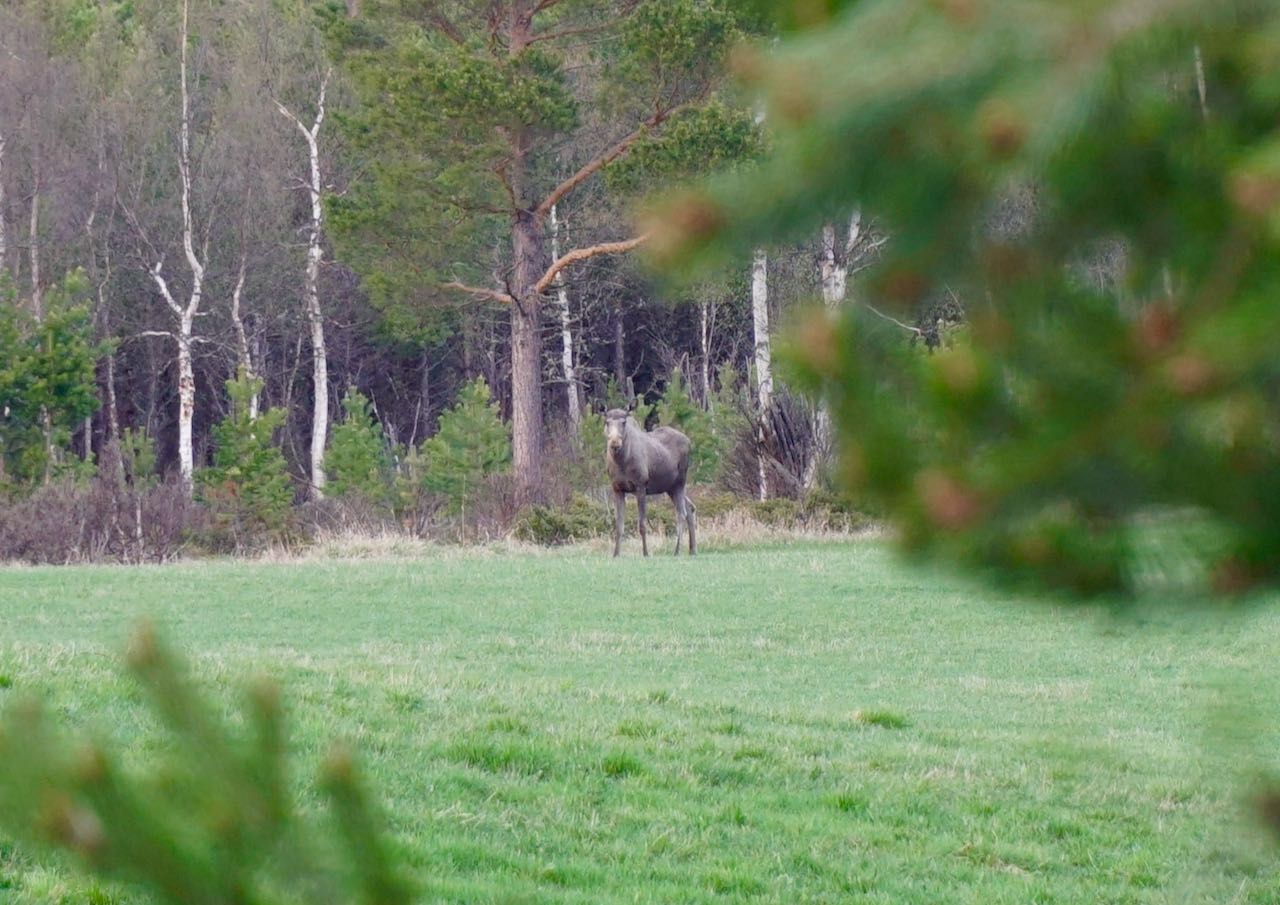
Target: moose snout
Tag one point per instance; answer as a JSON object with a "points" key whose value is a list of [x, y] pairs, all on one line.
{"points": [[615, 445]]}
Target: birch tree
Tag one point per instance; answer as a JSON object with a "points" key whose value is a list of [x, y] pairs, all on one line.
{"points": [[184, 311], [763, 359], [566, 330], [311, 288], [833, 271]]}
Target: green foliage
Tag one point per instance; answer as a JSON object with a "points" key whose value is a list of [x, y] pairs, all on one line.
{"points": [[472, 442], [697, 141], [47, 377], [138, 457], [551, 526], [358, 460], [1070, 415], [677, 409], [248, 488], [212, 820]]}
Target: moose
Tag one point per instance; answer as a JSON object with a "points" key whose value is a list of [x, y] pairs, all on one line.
{"points": [[647, 462]]}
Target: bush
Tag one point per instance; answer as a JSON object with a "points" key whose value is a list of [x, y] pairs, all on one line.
{"points": [[550, 526], [247, 490], [106, 519]]}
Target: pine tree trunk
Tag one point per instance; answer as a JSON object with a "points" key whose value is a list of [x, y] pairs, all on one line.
{"points": [[423, 418], [763, 357], [526, 354]]}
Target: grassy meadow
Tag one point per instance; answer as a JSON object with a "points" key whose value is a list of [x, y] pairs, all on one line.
{"points": [[787, 723]]}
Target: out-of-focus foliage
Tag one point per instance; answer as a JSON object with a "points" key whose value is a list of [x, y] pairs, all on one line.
{"points": [[213, 820], [1044, 442]]}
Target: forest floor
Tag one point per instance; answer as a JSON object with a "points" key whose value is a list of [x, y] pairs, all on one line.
{"points": [[808, 722]]}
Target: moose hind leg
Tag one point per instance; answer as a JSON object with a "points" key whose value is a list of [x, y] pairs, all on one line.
{"points": [[620, 505]]}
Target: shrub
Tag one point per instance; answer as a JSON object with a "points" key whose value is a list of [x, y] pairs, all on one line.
{"points": [[550, 526], [358, 461], [247, 489], [471, 444], [103, 520]]}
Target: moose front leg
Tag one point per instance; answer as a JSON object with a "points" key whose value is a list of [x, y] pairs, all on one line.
{"points": [[620, 505], [640, 504]]}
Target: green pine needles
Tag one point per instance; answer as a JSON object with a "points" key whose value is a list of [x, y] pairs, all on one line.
{"points": [[471, 444], [247, 489], [1005, 146], [212, 820], [358, 460]]}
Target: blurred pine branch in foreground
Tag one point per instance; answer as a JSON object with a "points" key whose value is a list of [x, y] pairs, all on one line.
{"points": [[1082, 406], [212, 821]]}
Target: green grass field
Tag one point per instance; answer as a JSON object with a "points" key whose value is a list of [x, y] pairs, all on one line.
{"points": [[810, 723]]}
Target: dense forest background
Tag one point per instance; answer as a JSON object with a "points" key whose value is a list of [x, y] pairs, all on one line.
{"points": [[363, 209]]}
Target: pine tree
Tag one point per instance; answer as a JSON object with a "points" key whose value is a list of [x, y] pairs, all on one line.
{"points": [[248, 487], [47, 379], [358, 460], [479, 117], [677, 409], [1044, 443], [471, 444]]}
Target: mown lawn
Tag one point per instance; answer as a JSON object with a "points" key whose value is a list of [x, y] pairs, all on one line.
{"points": [[784, 724]]}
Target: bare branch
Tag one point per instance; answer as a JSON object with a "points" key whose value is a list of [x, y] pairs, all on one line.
{"points": [[893, 320], [609, 156], [490, 294], [582, 254]]}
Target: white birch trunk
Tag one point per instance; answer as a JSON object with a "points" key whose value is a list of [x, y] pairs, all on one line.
{"points": [[704, 350], [244, 359], [763, 357], [566, 328], [184, 315], [315, 316], [186, 407], [834, 272]]}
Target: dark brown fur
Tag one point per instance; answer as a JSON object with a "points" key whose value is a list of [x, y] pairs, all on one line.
{"points": [[646, 463]]}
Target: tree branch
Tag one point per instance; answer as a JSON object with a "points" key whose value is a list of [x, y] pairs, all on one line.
{"points": [[582, 254], [893, 320], [491, 294], [569, 32], [609, 156]]}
